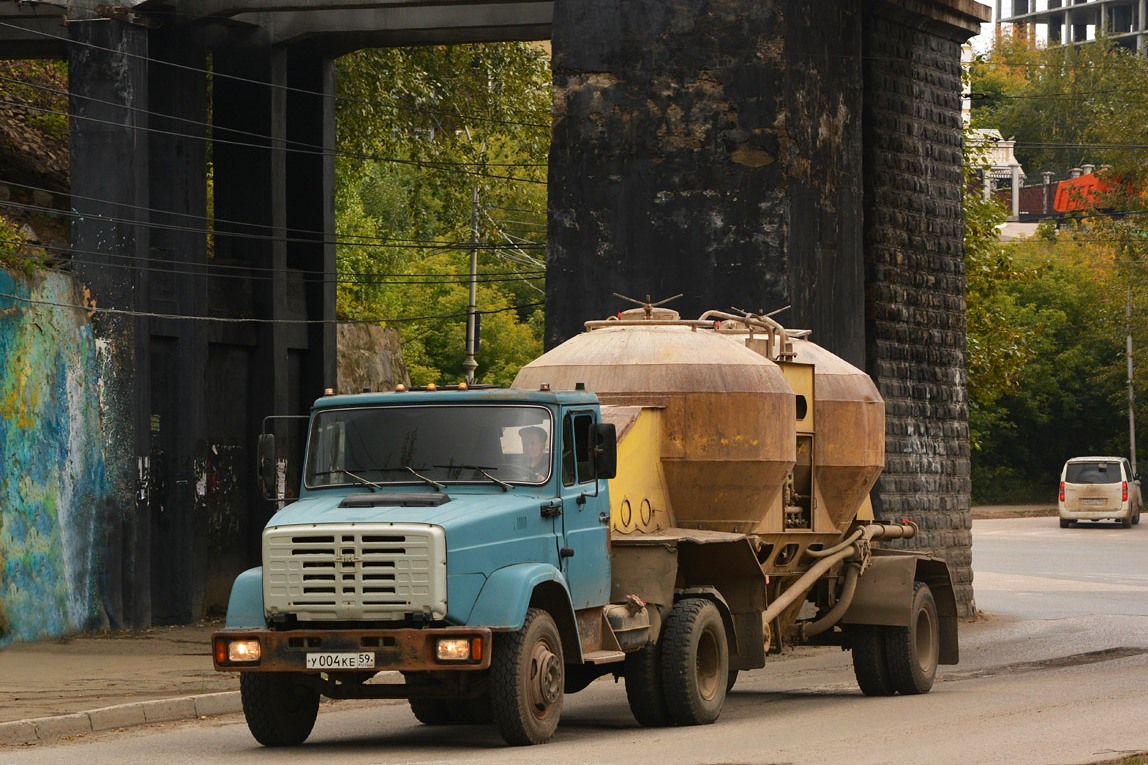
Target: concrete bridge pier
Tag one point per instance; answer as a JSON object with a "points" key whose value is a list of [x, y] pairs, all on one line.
{"points": [[767, 153], [226, 290]]}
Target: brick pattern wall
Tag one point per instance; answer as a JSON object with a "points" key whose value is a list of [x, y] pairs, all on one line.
{"points": [[915, 285]]}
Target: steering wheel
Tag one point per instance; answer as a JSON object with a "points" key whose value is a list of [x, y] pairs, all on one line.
{"points": [[515, 472]]}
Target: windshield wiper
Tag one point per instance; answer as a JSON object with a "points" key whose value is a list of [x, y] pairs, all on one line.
{"points": [[479, 469], [438, 486], [362, 480]]}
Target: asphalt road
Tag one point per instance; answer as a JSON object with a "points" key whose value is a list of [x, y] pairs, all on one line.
{"points": [[1055, 672]]}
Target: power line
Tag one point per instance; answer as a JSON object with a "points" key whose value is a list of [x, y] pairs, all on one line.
{"points": [[224, 234], [462, 168], [93, 309], [289, 144], [68, 42], [205, 270]]}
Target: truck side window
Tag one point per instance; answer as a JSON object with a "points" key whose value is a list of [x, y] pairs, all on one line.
{"points": [[577, 444]]}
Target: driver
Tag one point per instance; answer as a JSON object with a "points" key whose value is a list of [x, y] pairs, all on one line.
{"points": [[534, 449]]}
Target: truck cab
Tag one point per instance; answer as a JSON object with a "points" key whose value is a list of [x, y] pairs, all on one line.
{"points": [[426, 522]]}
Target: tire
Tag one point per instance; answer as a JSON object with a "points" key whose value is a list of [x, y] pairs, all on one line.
{"points": [[431, 711], [869, 665], [1126, 523], [451, 711], [695, 662], [526, 683], [911, 652], [644, 687], [280, 710], [1065, 523], [1136, 517], [442, 711]]}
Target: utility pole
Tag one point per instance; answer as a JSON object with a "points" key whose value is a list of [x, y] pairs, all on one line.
{"points": [[1131, 391], [470, 364]]}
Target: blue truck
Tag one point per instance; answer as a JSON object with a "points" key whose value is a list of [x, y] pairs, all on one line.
{"points": [[482, 552]]}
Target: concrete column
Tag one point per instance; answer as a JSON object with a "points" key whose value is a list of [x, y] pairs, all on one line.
{"points": [[1014, 178], [729, 172], [1141, 25], [274, 206], [108, 134], [177, 166]]}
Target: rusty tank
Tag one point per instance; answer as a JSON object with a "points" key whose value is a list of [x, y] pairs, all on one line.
{"points": [[727, 423]]}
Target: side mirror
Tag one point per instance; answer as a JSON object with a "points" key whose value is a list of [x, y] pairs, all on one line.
{"points": [[266, 468], [605, 450]]}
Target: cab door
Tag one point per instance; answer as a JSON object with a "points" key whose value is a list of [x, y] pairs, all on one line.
{"points": [[584, 553]]}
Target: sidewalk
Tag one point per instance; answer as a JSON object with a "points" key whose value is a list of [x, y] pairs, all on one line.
{"points": [[52, 689]]}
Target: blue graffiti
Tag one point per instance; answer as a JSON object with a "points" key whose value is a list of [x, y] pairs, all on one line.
{"points": [[53, 475]]}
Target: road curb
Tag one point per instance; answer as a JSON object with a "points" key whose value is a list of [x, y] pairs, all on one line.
{"points": [[24, 732]]}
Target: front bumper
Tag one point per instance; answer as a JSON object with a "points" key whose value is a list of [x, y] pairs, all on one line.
{"points": [[405, 650]]}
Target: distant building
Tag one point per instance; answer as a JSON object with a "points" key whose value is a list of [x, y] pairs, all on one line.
{"points": [[1064, 22], [1000, 169]]}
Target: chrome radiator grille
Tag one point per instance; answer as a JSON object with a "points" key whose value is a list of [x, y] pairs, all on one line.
{"points": [[355, 571]]}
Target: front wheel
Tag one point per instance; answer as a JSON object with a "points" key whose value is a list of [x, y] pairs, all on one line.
{"points": [[911, 652], [526, 681], [695, 662], [280, 710]]}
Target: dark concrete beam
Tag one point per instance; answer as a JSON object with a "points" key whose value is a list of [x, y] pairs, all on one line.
{"points": [[32, 31]]}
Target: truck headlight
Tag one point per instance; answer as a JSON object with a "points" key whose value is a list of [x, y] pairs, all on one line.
{"points": [[459, 649], [237, 651]]}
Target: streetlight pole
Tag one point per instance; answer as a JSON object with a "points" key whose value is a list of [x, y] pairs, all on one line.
{"points": [[1131, 391], [469, 365]]}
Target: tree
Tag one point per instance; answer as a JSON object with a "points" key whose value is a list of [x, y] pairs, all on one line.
{"points": [[423, 133], [1064, 106]]}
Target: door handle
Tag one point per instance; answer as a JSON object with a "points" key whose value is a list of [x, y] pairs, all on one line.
{"points": [[551, 510]]}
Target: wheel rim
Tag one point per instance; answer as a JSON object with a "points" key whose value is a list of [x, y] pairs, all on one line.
{"points": [[545, 678], [926, 641], [708, 665]]}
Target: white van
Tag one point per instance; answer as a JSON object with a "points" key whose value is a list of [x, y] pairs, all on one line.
{"points": [[1099, 488]]}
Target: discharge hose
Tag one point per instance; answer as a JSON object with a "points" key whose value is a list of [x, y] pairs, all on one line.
{"points": [[845, 550]]}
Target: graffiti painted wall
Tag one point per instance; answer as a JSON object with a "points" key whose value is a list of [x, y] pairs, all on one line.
{"points": [[54, 483]]}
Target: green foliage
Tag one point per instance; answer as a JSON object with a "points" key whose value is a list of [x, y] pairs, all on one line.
{"points": [[423, 133], [1067, 399], [1046, 317], [1064, 106], [43, 87], [13, 251]]}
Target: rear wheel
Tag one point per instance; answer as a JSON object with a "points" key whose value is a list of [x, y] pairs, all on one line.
{"points": [[526, 683], [644, 687], [1065, 523], [911, 652], [869, 664], [695, 662], [280, 710], [1126, 523]]}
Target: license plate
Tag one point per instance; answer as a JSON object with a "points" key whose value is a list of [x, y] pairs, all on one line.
{"points": [[340, 660], [1094, 501]]}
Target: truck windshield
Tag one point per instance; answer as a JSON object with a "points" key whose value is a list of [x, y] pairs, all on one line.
{"points": [[440, 443]]}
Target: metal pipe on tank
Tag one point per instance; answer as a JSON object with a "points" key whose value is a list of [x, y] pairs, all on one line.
{"points": [[868, 533], [852, 574]]}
